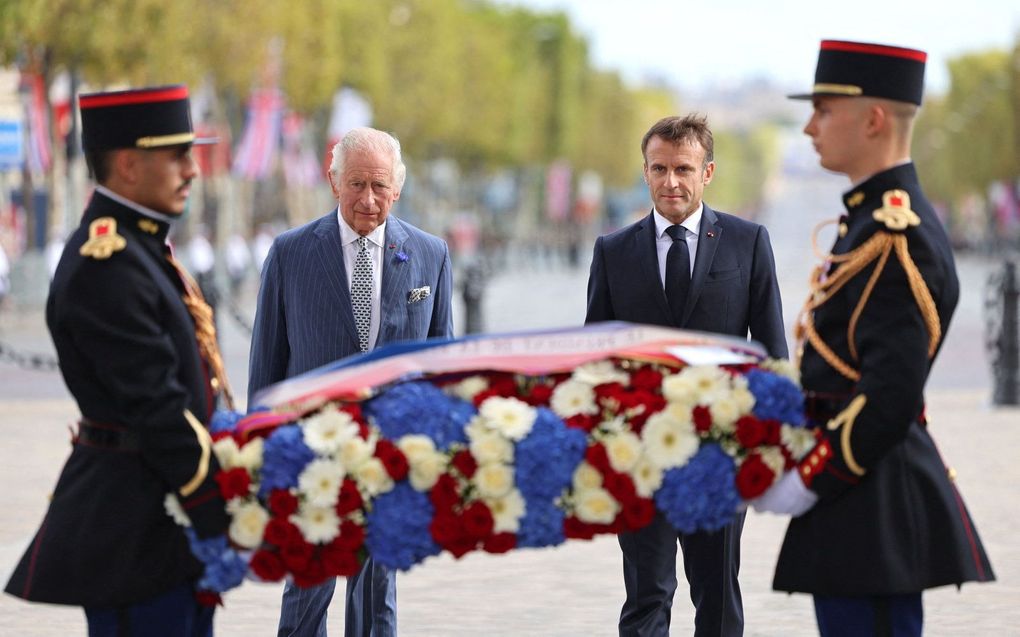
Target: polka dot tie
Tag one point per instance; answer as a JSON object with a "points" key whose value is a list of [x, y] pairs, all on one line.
{"points": [[361, 293]]}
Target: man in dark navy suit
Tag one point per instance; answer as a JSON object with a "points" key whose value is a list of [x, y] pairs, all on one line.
{"points": [[352, 280], [138, 351], [687, 266], [877, 518]]}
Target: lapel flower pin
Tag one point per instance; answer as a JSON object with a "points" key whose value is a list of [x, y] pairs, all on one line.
{"points": [[399, 254]]}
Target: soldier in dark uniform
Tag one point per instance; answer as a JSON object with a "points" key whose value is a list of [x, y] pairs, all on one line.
{"points": [[138, 352], [877, 517]]}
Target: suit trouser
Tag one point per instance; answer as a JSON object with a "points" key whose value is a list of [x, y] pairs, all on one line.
{"points": [[711, 563], [873, 616], [371, 609], [175, 613]]}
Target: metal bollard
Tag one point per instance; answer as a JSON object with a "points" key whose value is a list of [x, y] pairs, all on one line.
{"points": [[1003, 337]]}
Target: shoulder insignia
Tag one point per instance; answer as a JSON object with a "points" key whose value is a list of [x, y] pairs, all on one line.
{"points": [[148, 225], [855, 199], [895, 212], [103, 239]]}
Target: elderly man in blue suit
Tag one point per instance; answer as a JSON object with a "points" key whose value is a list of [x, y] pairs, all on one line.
{"points": [[688, 266], [346, 283]]}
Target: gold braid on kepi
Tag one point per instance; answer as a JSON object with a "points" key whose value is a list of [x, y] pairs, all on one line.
{"points": [[205, 332]]}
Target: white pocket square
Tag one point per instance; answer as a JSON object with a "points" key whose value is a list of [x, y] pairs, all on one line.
{"points": [[418, 294]]}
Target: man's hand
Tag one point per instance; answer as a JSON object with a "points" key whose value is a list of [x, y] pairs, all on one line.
{"points": [[788, 496]]}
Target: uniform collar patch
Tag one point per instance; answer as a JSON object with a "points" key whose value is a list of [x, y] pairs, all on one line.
{"points": [[855, 199]]}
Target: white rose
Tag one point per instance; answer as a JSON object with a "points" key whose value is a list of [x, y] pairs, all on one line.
{"points": [[491, 447], [248, 524], [668, 441], [586, 477], [798, 440], [327, 430], [320, 482], [600, 373], [623, 449], [250, 455], [571, 398], [468, 388], [355, 451], [226, 452], [493, 480], [512, 417], [317, 524], [507, 511], [595, 506], [372, 477], [647, 477]]}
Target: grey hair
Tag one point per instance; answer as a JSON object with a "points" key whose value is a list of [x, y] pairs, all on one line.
{"points": [[372, 140]]}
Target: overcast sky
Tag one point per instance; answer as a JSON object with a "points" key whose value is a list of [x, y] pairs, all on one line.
{"points": [[695, 44]]}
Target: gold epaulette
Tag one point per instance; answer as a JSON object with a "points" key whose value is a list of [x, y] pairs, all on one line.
{"points": [[103, 239]]}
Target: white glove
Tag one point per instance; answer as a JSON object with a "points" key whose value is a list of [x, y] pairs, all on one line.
{"points": [[788, 496]]}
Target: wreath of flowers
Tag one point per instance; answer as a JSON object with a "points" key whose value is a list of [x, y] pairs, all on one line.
{"points": [[498, 461]]}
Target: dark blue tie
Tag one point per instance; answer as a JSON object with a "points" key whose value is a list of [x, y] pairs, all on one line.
{"points": [[678, 272]]}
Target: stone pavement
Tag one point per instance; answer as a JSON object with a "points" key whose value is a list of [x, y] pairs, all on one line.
{"points": [[577, 588]]}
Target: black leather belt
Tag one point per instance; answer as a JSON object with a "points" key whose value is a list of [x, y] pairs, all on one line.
{"points": [[112, 437], [821, 407]]}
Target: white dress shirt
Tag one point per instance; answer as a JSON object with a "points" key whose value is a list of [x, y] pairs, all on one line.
{"points": [[375, 246], [663, 241]]}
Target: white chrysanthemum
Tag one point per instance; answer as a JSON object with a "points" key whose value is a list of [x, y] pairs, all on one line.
{"points": [[702, 384], [490, 447], [426, 463], [250, 455], [669, 442], [742, 396], [600, 373], [326, 431], [247, 524], [586, 477], [595, 506], [373, 478], [320, 482], [493, 480], [355, 451], [509, 416], [623, 449], [572, 397], [507, 511], [615, 424], [798, 440], [226, 452], [318, 524], [647, 477], [725, 412], [175, 510], [468, 388], [774, 459], [475, 427], [783, 367]]}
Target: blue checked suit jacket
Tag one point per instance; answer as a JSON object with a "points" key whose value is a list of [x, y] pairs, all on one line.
{"points": [[304, 318]]}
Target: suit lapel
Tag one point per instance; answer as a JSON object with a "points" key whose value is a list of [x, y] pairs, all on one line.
{"points": [[396, 275], [648, 259], [331, 254], [708, 240]]}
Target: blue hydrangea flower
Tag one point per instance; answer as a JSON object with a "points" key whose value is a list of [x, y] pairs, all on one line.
{"points": [[398, 533], [700, 495], [776, 397], [224, 420], [224, 567], [420, 408], [542, 525], [546, 459], [284, 456]]}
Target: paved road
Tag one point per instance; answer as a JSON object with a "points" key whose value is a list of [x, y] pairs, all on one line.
{"points": [[575, 589]]}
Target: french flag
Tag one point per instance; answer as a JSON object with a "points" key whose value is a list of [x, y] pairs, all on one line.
{"points": [[260, 141], [38, 130]]}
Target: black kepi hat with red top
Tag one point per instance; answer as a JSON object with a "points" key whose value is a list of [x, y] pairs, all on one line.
{"points": [[859, 69], [138, 118]]}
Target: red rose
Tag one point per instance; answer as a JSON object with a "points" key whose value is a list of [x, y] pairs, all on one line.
{"points": [[220, 435], [576, 529], [296, 555], [282, 503], [313, 574], [208, 598], [464, 462], [354, 410], [268, 566], [281, 532], [750, 432], [484, 395], [638, 513], [773, 432], [702, 419], [620, 486], [597, 457], [478, 522], [646, 378], [461, 546], [352, 536], [504, 385], [539, 395], [445, 494], [754, 477], [349, 499], [609, 394], [339, 562], [500, 542], [233, 482], [393, 459], [583, 422], [446, 528]]}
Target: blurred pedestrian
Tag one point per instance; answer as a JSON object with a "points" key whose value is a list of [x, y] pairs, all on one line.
{"points": [[137, 351], [261, 245], [238, 260], [202, 259], [348, 282], [877, 518], [685, 265]]}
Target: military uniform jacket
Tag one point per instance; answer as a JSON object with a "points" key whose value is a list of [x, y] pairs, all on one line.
{"points": [[889, 519], [128, 354]]}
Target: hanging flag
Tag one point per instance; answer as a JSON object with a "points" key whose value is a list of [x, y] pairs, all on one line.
{"points": [[300, 167], [257, 150], [350, 110], [37, 124], [557, 190]]}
